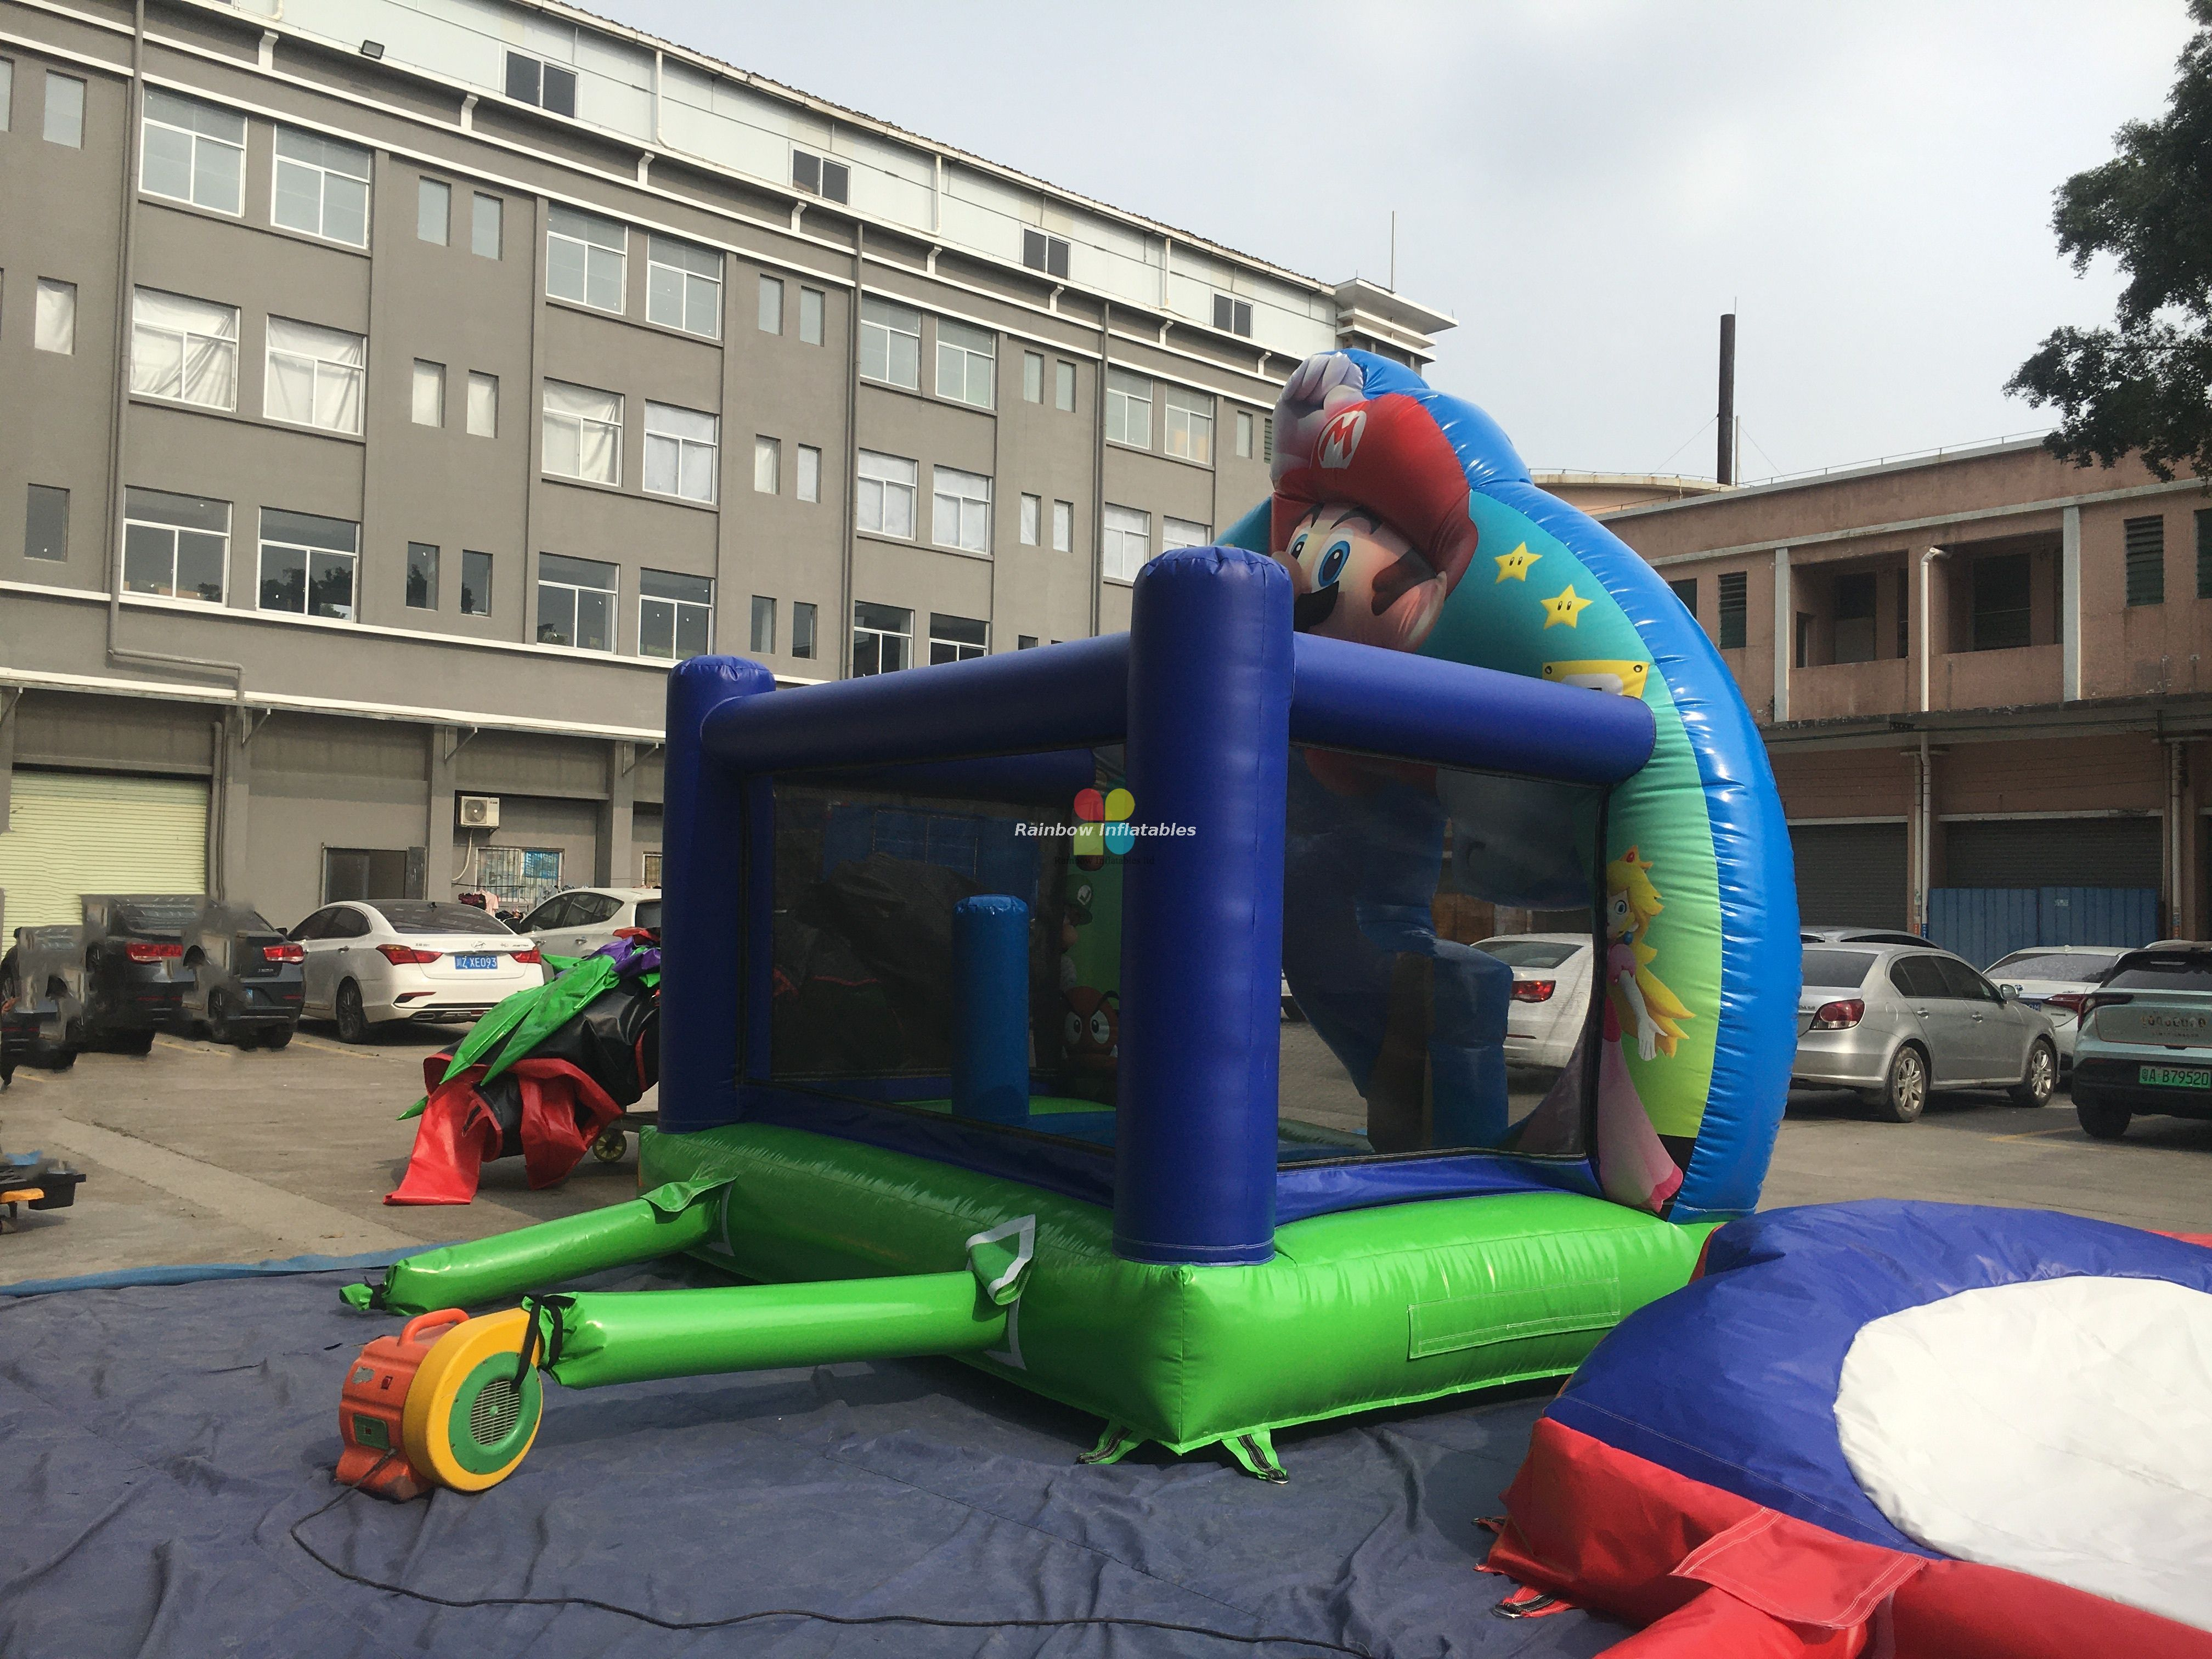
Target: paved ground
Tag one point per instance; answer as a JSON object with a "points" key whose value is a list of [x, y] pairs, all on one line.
{"points": [[202, 1153]]}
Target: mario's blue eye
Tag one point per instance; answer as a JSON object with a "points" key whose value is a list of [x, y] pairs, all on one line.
{"points": [[1332, 563], [1299, 546]]}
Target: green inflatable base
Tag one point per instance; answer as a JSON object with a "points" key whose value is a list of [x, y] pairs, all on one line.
{"points": [[1357, 1309]]}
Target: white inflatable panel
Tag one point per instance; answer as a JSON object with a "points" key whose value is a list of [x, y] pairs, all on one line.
{"points": [[2060, 1427]]}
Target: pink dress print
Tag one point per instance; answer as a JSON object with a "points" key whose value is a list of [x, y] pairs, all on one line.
{"points": [[1633, 1166]]}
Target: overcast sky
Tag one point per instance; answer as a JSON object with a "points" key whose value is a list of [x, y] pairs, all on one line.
{"points": [[1585, 183]]}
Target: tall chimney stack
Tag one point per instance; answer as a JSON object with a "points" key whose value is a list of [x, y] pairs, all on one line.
{"points": [[1725, 467]]}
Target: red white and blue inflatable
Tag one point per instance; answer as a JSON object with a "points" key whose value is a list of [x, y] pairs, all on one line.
{"points": [[1897, 1429]]}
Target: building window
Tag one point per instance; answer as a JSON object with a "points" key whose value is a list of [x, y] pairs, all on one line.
{"points": [[810, 473], [484, 226], [484, 405], [584, 258], [683, 287], [763, 640], [65, 111], [1032, 513], [583, 433], [1268, 439], [768, 466], [1063, 387], [183, 349], [2002, 610], [956, 639], [960, 509], [817, 176], [475, 583], [434, 211], [7, 93], [1184, 533], [1854, 623], [429, 393], [1233, 315], [890, 344], [887, 486], [421, 576], [315, 375], [883, 638], [1063, 527], [1128, 409], [771, 304], [1187, 431], [53, 322], [2146, 553], [1046, 253], [46, 521], [1032, 377], [967, 362], [575, 603], [308, 564], [176, 545], [1025, 641], [190, 151], [1734, 585], [321, 187], [1128, 543], [802, 629], [530, 81], [2204, 554], [810, 316], [675, 615], [1686, 591], [1244, 434]]}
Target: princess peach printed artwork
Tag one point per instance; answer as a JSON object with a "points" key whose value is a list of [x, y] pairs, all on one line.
{"points": [[1632, 1165]]}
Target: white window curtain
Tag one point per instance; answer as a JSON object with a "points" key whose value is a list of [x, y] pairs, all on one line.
{"points": [[583, 433], [315, 375], [887, 488], [960, 509], [680, 448], [1129, 541], [1183, 533], [184, 348]]}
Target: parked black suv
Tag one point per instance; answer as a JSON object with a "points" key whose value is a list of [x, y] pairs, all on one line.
{"points": [[135, 975], [246, 976]]}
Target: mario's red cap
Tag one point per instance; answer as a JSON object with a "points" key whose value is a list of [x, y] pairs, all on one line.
{"points": [[1388, 455]]}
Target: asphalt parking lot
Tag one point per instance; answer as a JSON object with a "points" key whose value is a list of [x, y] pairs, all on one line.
{"points": [[202, 1153]]}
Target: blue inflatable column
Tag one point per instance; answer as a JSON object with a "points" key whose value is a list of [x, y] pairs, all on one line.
{"points": [[1210, 669], [991, 1009], [705, 899]]}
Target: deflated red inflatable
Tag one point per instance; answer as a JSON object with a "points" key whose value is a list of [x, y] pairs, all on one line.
{"points": [[548, 1110], [1903, 1430]]}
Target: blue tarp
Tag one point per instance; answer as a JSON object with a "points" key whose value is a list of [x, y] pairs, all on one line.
{"points": [[165, 1443]]}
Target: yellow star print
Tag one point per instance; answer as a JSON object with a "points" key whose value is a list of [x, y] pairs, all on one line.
{"points": [[1516, 564], [1564, 607]]}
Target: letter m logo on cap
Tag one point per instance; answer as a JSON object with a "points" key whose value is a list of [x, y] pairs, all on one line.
{"points": [[1341, 438]]}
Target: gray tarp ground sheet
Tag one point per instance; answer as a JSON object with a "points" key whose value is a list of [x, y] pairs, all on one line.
{"points": [[160, 1445]]}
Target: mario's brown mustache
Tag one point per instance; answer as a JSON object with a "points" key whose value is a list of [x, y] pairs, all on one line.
{"points": [[1400, 579]]}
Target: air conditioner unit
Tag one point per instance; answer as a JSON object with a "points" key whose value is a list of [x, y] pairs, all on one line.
{"points": [[480, 811]]}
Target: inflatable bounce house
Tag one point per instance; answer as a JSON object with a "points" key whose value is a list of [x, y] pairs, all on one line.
{"points": [[1083, 1010]]}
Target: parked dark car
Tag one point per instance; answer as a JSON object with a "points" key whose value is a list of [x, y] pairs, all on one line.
{"points": [[135, 975], [42, 1000], [246, 979]]}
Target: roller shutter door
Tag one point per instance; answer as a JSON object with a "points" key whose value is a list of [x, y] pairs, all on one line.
{"points": [[73, 833], [1850, 875], [2053, 853]]}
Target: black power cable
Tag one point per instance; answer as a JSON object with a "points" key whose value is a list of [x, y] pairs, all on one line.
{"points": [[1311, 1643]]}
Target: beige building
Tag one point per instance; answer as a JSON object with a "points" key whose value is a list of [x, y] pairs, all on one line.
{"points": [[1981, 672], [390, 389]]}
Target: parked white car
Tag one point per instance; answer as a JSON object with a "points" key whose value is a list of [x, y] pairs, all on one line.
{"points": [[577, 921], [371, 960], [2056, 979], [1551, 995]]}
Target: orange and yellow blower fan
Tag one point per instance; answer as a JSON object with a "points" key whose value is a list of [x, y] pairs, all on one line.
{"points": [[450, 1401]]}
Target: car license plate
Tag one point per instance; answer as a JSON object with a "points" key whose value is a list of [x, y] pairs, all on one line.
{"points": [[2174, 1076], [475, 962]]}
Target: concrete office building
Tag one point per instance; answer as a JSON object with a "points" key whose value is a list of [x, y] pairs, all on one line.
{"points": [[1980, 674], [390, 389]]}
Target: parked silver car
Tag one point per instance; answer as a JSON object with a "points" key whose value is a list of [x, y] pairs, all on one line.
{"points": [[2058, 979], [1894, 1021]]}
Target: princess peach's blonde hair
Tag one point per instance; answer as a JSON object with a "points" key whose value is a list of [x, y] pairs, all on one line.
{"points": [[1631, 877]]}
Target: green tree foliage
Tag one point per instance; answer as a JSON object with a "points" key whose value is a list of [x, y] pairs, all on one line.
{"points": [[2145, 384]]}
